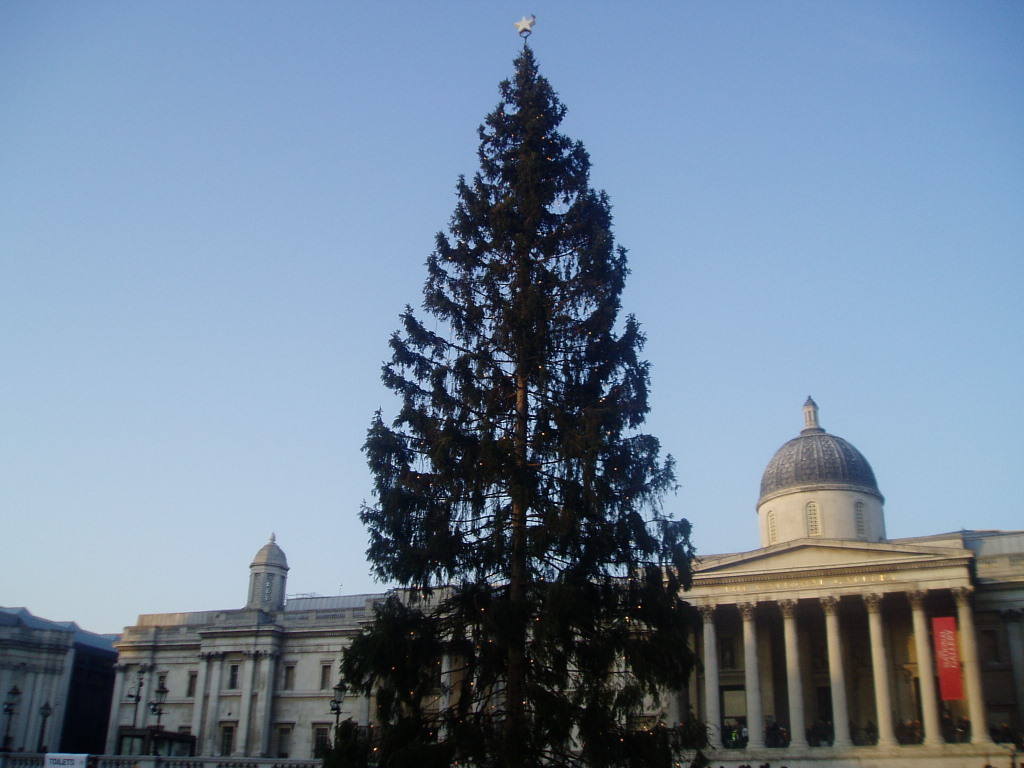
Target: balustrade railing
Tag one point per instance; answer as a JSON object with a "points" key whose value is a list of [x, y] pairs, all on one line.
{"points": [[33, 760]]}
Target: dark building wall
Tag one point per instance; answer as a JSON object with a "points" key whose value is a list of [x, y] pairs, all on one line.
{"points": [[89, 697]]}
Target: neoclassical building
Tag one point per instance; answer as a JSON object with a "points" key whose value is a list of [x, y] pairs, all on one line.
{"points": [[828, 645], [254, 681], [832, 638]]}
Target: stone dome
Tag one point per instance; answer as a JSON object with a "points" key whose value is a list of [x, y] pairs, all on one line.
{"points": [[271, 554], [817, 460]]}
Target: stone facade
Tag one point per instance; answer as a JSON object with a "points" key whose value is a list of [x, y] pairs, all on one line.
{"points": [[255, 681], [816, 649], [64, 679], [822, 644]]}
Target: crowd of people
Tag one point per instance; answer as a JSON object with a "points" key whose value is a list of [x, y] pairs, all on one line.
{"points": [[736, 735]]}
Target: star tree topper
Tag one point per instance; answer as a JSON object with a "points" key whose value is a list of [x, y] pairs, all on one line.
{"points": [[525, 26]]}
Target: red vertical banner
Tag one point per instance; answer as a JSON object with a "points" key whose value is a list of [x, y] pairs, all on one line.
{"points": [[947, 658]]}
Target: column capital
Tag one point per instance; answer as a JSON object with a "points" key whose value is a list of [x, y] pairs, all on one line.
{"points": [[829, 604], [917, 597], [747, 610], [788, 608], [873, 601], [707, 612], [962, 595]]}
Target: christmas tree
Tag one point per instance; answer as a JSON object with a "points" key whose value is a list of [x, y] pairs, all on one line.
{"points": [[516, 501]]}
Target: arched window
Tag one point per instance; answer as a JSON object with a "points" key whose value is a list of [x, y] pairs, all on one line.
{"points": [[813, 521], [771, 526], [858, 517]]}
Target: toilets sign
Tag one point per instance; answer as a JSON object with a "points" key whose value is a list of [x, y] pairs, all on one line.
{"points": [[57, 760]]}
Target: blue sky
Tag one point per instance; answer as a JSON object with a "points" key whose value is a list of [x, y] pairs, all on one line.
{"points": [[211, 215]]}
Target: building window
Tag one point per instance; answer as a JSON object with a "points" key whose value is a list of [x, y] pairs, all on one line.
{"points": [[321, 740], [227, 740], [772, 534], [233, 676], [190, 690], [325, 677], [289, 678], [858, 516], [813, 521], [284, 741]]}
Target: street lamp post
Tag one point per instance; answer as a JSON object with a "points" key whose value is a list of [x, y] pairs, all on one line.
{"points": [[10, 707], [157, 708], [157, 705], [135, 694], [44, 712], [336, 702]]}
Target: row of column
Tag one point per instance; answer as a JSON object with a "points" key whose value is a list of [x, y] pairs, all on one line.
{"points": [[121, 672], [205, 723], [209, 685], [39, 684], [837, 679]]}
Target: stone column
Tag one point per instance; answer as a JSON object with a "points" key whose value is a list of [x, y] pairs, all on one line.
{"points": [[213, 705], [712, 710], [245, 707], [836, 675], [794, 683], [140, 712], [43, 691], [265, 701], [1015, 640], [114, 724], [880, 670], [925, 669], [685, 697], [446, 688], [972, 671], [199, 701], [752, 677]]}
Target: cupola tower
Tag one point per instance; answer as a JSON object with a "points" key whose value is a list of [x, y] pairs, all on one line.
{"points": [[268, 574]]}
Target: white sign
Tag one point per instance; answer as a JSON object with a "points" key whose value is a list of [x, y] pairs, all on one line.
{"points": [[57, 760]]}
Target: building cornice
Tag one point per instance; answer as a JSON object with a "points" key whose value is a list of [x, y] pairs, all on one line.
{"points": [[827, 572]]}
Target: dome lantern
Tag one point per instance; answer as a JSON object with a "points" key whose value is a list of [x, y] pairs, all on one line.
{"points": [[811, 418]]}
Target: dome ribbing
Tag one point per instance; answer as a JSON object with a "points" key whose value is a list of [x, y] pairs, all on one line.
{"points": [[816, 459]]}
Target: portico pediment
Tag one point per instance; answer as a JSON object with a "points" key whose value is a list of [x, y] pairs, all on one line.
{"points": [[828, 558]]}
